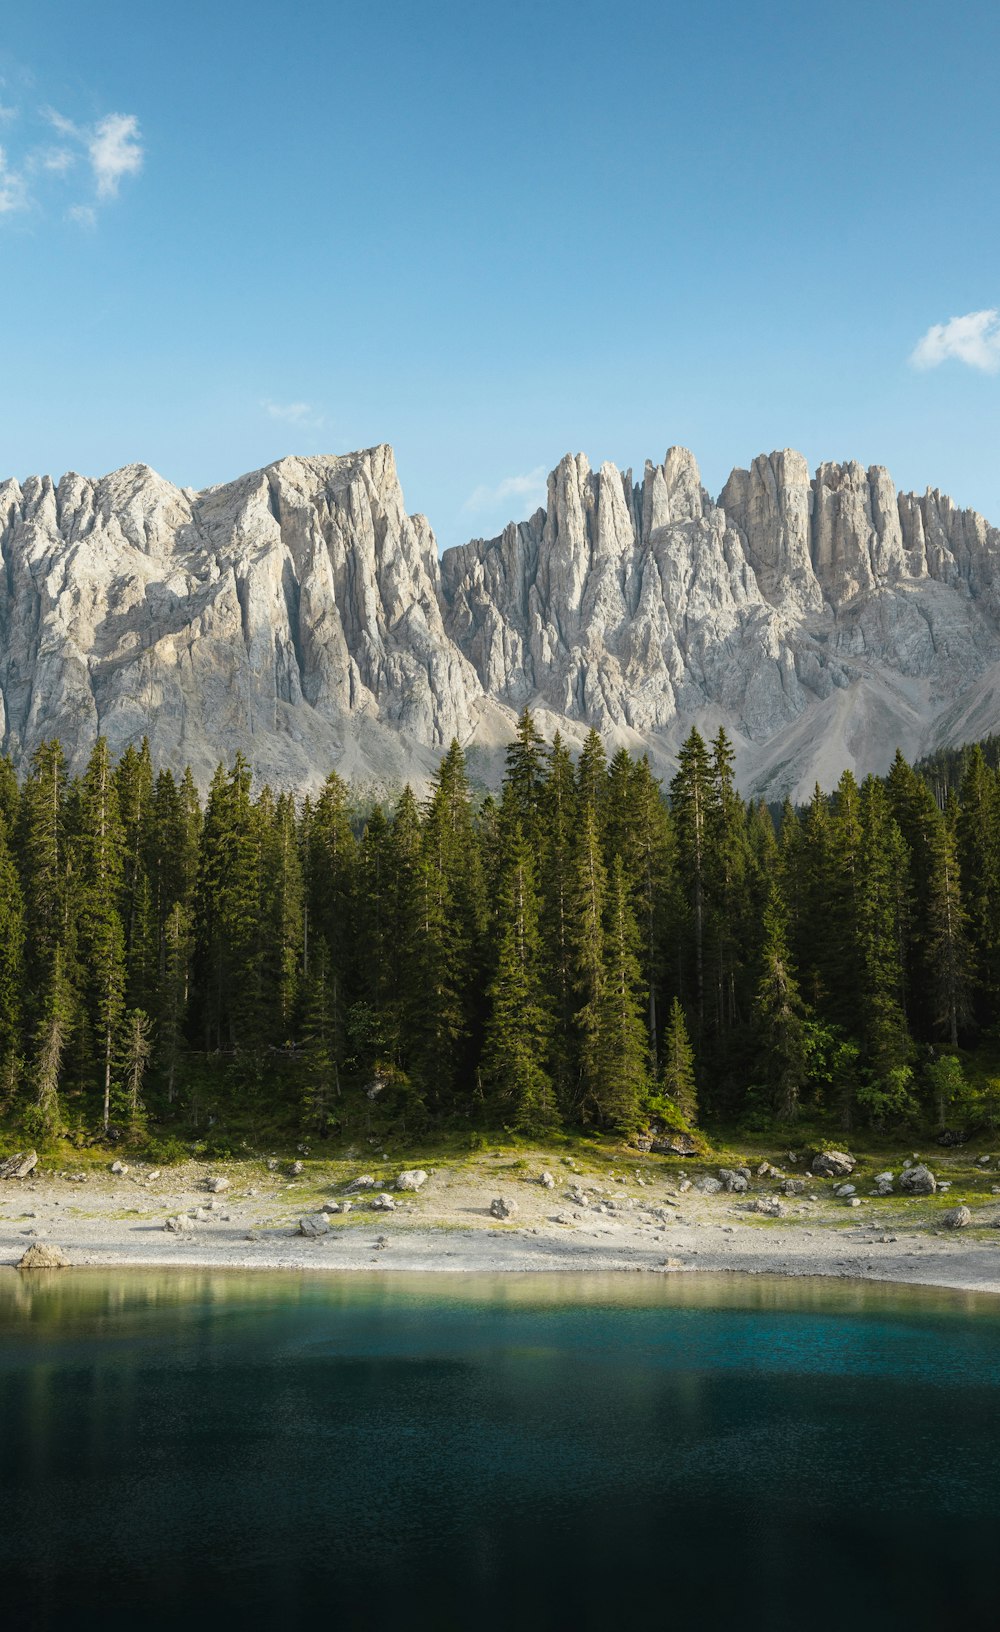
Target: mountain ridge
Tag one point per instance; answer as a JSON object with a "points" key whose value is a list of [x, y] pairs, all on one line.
{"points": [[298, 613]]}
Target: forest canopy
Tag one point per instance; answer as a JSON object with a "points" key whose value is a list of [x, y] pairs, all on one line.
{"points": [[582, 949]]}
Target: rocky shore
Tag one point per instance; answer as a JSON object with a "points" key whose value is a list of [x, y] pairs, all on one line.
{"points": [[917, 1223]]}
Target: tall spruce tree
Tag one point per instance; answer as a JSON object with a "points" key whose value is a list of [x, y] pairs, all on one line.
{"points": [[518, 1030]]}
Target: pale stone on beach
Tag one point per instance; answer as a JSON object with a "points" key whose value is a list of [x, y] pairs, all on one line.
{"points": [[412, 1179], [314, 1224], [503, 1207], [48, 1256]]}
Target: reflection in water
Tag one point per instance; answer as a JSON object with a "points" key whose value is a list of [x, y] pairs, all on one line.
{"points": [[459, 1451]]}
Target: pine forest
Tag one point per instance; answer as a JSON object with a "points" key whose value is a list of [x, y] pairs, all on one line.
{"points": [[584, 949]]}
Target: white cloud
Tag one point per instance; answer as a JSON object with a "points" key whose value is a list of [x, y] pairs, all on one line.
{"points": [[528, 490], [115, 151], [83, 214], [973, 339], [294, 413], [7, 114], [13, 191], [56, 160], [113, 147]]}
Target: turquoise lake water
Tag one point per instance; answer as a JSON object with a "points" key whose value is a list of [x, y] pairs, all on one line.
{"points": [[202, 1448]]}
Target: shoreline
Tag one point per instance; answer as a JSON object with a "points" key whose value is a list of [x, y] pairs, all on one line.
{"points": [[649, 1220]]}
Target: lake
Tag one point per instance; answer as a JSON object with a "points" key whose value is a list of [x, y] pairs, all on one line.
{"points": [[482, 1452]]}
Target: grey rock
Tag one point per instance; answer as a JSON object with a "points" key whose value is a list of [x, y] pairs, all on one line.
{"points": [[331, 1207], [844, 1190], [217, 1185], [363, 1182], [384, 1203], [43, 1256], [314, 1224], [413, 1179], [957, 1218], [18, 1167], [503, 1207], [883, 1187], [733, 1180], [296, 1169], [119, 1168], [179, 1224], [547, 1181], [833, 1164], [917, 1181], [708, 1186], [794, 1187]]}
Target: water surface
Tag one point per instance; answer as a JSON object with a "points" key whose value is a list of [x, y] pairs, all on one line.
{"points": [[477, 1452]]}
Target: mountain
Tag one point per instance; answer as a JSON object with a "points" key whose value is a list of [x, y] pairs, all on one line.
{"points": [[301, 615]]}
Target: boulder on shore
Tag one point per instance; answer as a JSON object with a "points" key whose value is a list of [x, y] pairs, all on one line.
{"points": [[178, 1223], [43, 1255], [917, 1181], [18, 1167], [675, 1144], [384, 1203], [501, 1207], [314, 1224], [833, 1164], [959, 1218], [217, 1185], [412, 1179]]}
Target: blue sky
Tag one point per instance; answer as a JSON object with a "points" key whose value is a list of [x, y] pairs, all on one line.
{"points": [[494, 234]]}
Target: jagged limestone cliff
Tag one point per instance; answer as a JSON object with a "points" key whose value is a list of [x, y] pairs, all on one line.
{"points": [[300, 614]]}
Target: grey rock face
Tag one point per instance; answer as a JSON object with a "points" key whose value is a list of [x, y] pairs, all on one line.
{"points": [[502, 1207], [300, 615], [314, 1224], [957, 1218]]}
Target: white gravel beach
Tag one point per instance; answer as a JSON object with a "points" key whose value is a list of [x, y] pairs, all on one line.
{"points": [[245, 1215]]}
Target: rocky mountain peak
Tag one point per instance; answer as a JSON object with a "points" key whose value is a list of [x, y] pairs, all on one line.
{"points": [[300, 614]]}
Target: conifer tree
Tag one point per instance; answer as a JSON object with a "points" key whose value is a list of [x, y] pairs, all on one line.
{"points": [[101, 940], [677, 1076], [586, 905], [558, 828], [690, 800], [518, 1030], [779, 1015], [11, 970], [623, 1080]]}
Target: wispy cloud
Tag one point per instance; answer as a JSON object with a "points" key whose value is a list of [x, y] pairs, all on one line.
{"points": [[973, 339], [295, 413], [93, 158], [528, 490], [113, 146], [13, 189]]}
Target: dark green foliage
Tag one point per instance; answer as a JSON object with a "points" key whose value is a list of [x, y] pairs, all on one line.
{"points": [[532, 959]]}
